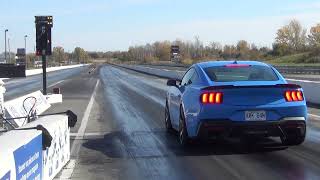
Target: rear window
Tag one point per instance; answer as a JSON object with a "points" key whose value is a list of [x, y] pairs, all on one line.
{"points": [[242, 73]]}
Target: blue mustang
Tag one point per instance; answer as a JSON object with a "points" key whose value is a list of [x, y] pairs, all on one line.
{"points": [[235, 99]]}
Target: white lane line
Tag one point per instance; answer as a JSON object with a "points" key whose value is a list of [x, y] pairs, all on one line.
{"points": [[86, 115], [66, 173], [173, 70], [56, 83], [314, 116], [306, 81], [76, 135], [169, 70]]}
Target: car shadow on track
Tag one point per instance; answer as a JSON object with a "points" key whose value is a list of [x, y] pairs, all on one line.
{"points": [[118, 145]]}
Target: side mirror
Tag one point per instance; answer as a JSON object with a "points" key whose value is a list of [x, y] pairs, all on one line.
{"points": [[171, 82]]}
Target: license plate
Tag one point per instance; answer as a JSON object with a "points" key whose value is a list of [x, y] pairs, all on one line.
{"points": [[255, 116]]}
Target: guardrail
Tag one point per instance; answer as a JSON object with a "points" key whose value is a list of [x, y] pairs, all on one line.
{"points": [[281, 68], [298, 69]]}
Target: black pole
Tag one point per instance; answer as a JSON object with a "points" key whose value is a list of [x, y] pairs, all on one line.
{"points": [[5, 45], [44, 72]]}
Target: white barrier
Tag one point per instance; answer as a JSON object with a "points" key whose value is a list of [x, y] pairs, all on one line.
{"points": [[2, 91], [31, 72], [21, 155], [311, 90], [54, 98], [15, 107], [23, 158], [58, 154]]}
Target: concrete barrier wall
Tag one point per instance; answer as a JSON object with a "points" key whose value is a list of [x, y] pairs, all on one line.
{"points": [[31, 72], [58, 154], [311, 89], [21, 154], [2, 91]]}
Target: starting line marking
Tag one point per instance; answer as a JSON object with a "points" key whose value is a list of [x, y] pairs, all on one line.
{"points": [[54, 84]]}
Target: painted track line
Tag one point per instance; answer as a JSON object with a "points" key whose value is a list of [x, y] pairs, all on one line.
{"points": [[87, 112], [314, 116], [66, 173], [306, 81], [56, 83]]}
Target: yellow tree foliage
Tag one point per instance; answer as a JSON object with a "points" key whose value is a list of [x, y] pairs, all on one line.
{"points": [[292, 37], [314, 37]]}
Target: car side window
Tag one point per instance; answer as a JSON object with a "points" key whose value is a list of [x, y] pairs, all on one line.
{"points": [[195, 77], [187, 78]]}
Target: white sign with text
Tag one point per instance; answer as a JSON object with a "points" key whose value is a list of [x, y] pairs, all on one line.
{"points": [[20, 107]]}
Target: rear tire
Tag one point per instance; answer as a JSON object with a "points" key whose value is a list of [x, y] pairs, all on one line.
{"points": [[167, 119], [294, 138], [183, 134]]}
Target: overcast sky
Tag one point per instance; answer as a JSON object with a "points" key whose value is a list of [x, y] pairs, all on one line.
{"points": [[103, 25]]}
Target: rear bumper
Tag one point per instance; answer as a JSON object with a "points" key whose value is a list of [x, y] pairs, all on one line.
{"points": [[227, 128]]}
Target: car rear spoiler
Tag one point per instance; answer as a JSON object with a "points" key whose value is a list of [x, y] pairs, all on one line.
{"points": [[293, 86]]}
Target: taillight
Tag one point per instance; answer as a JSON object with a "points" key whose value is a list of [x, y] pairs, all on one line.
{"points": [[294, 95], [211, 98]]}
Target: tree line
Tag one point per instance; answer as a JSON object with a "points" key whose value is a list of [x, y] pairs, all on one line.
{"points": [[60, 57], [290, 39]]}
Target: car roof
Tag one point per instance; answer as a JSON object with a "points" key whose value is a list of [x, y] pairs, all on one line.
{"points": [[223, 63]]}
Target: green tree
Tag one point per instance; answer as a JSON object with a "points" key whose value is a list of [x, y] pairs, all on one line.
{"points": [[31, 58], [229, 51], [80, 55], [59, 55], [243, 49]]}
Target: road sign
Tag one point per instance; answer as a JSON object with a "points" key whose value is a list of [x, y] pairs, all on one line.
{"points": [[175, 53]]}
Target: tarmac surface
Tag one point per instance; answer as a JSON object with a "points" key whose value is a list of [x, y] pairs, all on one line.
{"points": [[124, 137]]}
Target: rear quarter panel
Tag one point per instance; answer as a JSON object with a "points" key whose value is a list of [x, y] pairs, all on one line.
{"points": [[192, 106]]}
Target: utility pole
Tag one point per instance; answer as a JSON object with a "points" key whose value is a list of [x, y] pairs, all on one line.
{"points": [[44, 72], [25, 49], [5, 44], [9, 50]]}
